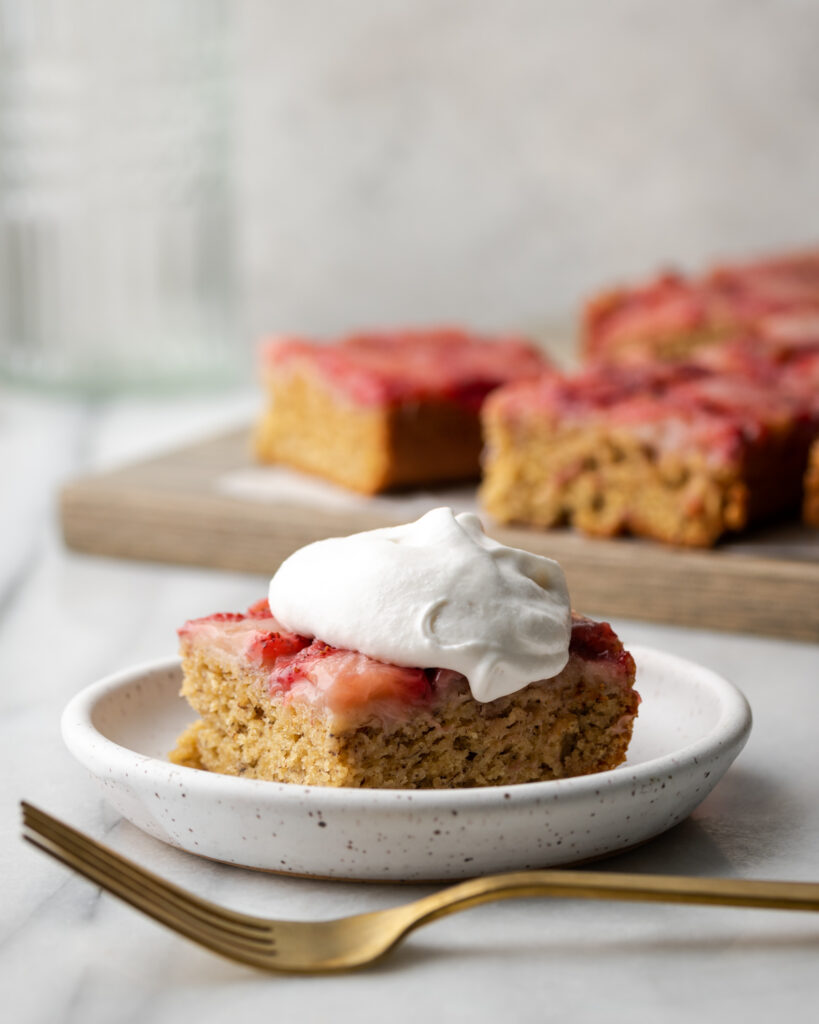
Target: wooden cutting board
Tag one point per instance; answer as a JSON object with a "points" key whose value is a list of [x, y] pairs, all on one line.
{"points": [[207, 505]]}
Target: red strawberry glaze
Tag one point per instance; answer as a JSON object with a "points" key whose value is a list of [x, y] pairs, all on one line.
{"points": [[348, 682], [259, 610], [790, 365], [726, 298], [299, 667], [597, 641], [388, 368], [695, 406], [254, 635], [668, 304], [786, 283], [266, 649]]}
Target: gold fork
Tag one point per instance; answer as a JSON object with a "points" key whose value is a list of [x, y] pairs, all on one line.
{"points": [[354, 941]]}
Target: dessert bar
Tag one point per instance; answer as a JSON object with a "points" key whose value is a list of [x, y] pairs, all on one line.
{"points": [[380, 411], [283, 707], [681, 453]]}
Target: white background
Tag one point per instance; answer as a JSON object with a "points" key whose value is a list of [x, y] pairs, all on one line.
{"points": [[416, 161]]}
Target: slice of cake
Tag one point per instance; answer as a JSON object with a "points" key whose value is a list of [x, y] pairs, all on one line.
{"points": [[330, 717], [680, 453], [280, 705], [381, 411], [670, 317]]}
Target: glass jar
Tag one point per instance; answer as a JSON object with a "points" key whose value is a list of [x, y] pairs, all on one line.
{"points": [[116, 248]]}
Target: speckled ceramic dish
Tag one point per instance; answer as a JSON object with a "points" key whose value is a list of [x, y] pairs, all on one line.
{"points": [[692, 724]]}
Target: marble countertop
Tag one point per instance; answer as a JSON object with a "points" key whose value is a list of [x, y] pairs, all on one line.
{"points": [[69, 953]]}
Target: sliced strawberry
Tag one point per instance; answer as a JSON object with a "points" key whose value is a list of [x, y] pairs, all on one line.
{"points": [[259, 610], [597, 641], [291, 670], [265, 648], [348, 679]]}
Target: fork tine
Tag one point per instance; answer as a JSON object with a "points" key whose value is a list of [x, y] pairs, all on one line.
{"points": [[43, 823], [141, 882], [211, 937]]}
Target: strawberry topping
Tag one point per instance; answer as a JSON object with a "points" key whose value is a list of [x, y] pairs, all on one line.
{"points": [[597, 641], [385, 368], [265, 648], [259, 610], [345, 681], [348, 679]]}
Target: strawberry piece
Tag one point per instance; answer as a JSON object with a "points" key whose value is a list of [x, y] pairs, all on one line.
{"points": [[597, 641], [348, 679], [265, 648], [259, 610]]}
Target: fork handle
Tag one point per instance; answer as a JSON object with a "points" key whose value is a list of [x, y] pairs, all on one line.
{"points": [[601, 885]]}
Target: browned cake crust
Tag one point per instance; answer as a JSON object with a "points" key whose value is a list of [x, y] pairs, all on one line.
{"points": [[579, 722]]}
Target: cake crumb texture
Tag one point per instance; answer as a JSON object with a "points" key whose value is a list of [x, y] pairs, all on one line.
{"points": [[579, 722], [607, 482], [368, 448]]}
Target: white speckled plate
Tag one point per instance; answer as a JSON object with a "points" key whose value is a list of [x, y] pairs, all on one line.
{"points": [[692, 724]]}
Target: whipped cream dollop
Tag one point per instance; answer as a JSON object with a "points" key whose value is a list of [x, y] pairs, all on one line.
{"points": [[436, 593]]}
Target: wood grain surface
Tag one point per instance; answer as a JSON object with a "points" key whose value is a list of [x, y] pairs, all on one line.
{"points": [[172, 509]]}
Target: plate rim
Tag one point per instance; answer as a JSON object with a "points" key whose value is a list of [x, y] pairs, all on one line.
{"points": [[95, 751]]}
